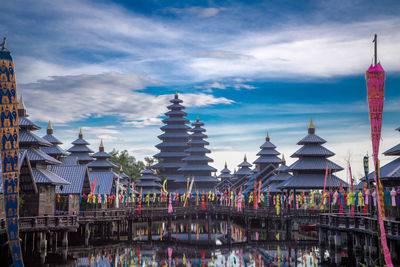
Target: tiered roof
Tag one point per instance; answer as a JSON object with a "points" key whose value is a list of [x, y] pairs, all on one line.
{"points": [[100, 171], [174, 143], [149, 183], [243, 174], [225, 179], [80, 150], [196, 164], [309, 170], [54, 150], [282, 174], [389, 173], [32, 144], [267, 155]]}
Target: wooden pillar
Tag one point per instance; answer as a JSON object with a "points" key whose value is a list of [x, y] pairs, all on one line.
{"points": [[87, 234], [149, 234], [209, 228], [119, 230], [130, 230], [190, 228], [169, 228], [54, 247], [65, 239], [248, 231], [51, 240]]}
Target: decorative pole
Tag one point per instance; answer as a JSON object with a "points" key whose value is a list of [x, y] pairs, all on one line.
{"points": [[10, 152], [117, 188], [375, 77]]}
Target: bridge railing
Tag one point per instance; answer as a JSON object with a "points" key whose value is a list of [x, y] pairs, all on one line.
{"points": [[45, 222]]}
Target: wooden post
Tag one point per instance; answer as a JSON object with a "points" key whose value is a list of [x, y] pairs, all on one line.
{"points": [[118, 231], [169, 228], [130, 230], [87, 234], [149, 234], [209, 228], [190, 229], [54, 247], [65, 239]]}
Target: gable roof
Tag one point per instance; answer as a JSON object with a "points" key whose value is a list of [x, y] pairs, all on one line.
{"points": [[76, 175]]}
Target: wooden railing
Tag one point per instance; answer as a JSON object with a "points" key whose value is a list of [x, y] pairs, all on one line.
{"points": [[27, 224], [358, 222]]}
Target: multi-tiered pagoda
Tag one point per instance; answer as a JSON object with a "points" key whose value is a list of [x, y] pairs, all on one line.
{"points": [[174, 143], [100, 172], [80, 150], [196, 164], [225, 179], [54, 150], [282, 175], [310, 168], [46, 181], [149, 183], [243, 175], [267, 155]]}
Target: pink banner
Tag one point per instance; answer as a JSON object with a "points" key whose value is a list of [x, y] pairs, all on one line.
{"points": [[375, 77]]}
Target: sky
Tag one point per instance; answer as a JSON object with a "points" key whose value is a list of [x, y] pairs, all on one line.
{"points": [[244, 67]]}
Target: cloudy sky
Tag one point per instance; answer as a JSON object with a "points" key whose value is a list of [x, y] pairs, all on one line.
{"points": [[246, 68]]}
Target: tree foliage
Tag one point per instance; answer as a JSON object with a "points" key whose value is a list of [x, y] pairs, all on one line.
{"points": [[130, 165]]}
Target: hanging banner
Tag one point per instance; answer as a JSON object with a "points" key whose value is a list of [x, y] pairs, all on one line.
{"points": [[10, 152]]}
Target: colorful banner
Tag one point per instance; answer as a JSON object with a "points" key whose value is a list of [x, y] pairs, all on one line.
{"points": [[9, 148], [375, 77]]}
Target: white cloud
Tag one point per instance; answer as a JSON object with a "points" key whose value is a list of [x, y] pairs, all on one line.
{"points": [[200, 12], [78, 97]]}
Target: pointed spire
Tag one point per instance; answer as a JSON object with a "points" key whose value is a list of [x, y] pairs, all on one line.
{"points": [[197, 119], [245, 158], [234, 170], [311, 128], [80, 135], [21, 108], [226, 166], [21, 103], [101, 147], [49, 128], [267, 138], [176, 94], [121, 170], [283, 160]]}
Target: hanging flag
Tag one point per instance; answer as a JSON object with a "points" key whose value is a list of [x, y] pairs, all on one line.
{"points": [[375, 77]]}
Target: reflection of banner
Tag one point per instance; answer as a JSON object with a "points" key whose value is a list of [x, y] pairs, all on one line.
{"points": [[375, 77], [9, 134]]}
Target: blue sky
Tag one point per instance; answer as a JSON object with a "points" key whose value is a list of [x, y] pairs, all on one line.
{"points": [[244, 67]]}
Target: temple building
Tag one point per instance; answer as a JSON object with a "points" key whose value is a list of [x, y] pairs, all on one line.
{"points": [[242, 175], [46, 181], [225, 179], [149, 183], [196, 163], [267, 155], [266, 163], [101, 174], [174, 143], [282, 174], [80, 150], [54, 150], [310, 168]]}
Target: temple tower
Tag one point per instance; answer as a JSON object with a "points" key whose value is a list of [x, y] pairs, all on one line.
{"points": [[196, 164], [309, 170], [54, 150], [149, 183], [225, 178], [267, 155], [174, 143], [80, 150]]}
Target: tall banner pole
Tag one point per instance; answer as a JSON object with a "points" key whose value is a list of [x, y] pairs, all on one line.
{"points": [[375, 77], [10, 152]]}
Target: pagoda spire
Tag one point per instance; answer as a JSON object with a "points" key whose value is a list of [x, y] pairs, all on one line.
{"points": [[80, 150], [101, 162], [267, 155], [49, 128], [21, 108], [101, 147], [54, 150], [311, 128], [80, 135], [283, 160], [226, 166], [267, 138], [225, 179]]}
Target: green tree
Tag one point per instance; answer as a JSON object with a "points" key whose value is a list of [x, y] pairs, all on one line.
{"points": [[130, 165], [150, 161]]}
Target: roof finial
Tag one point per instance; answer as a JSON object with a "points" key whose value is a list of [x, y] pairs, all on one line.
{"points": [[234, 170], [245, 157], [197, 119], [21, 104], [267, 138], [49, 128], [80, 133], [311, 124], [283, 159], [121, 170], [101, 147], [226, 166], [176, 94]]}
